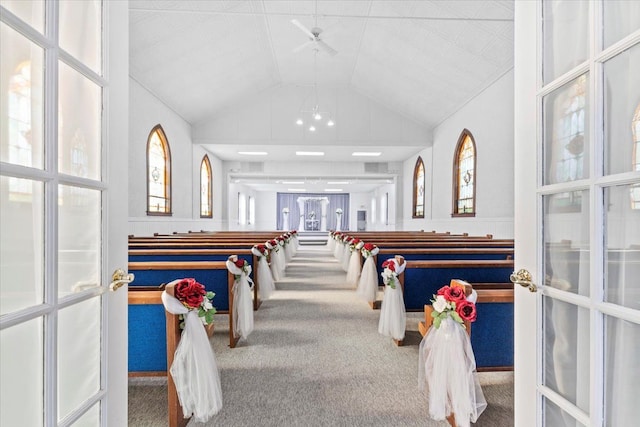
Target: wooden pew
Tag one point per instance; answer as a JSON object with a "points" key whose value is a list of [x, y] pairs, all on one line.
{"points": [[448, 253], [422, 279], [181, 255], [213, 275]]}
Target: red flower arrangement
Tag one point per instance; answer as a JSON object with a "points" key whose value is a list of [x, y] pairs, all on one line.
{"points": [[190, 293], [369, 249], [451, 301], [194, 296]]}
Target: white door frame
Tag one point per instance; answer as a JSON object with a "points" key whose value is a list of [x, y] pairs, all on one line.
{"points": [[525, 219], [113, 185], [115, 370], [528, 225]]}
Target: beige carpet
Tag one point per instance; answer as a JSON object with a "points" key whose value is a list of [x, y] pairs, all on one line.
{"points": [[315, 358]]}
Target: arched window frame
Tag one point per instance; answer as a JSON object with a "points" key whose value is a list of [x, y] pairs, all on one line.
{"points": [[157, 130], [418, 209], [206, 184], [456, 175]]}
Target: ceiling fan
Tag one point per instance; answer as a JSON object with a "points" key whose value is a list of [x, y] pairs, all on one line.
{"points": [[314, 39]]}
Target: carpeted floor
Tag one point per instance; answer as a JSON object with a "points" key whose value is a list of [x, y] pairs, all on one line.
{"points": [[315, 358]]}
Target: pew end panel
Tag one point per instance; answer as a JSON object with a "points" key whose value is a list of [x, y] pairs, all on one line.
{"points": [[146, 345]]}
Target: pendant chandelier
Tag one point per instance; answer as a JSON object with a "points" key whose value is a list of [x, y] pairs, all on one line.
{"points": [[313, 116]]}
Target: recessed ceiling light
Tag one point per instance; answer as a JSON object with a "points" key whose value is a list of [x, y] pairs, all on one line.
{"points": [[253, 153], [332, 189], [309, 153], [296, 190], [366, 153], [337, 182], [293, 182], [312, 128], [299, 122]]}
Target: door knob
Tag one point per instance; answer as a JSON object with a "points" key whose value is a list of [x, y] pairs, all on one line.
{"points": [[120, 278], [523, 278]]}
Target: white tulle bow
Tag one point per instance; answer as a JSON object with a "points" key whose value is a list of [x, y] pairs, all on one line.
{"points": [[194, 369]]}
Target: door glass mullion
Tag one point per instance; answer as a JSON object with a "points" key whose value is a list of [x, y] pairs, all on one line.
{"points": [[51, 215]]}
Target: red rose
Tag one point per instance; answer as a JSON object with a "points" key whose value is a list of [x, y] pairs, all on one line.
{"points": [[239, 263], [454, 294], [389, 264], [262, 248], [190, 292], [441, 290], [466, 310], [369, 246], [355, 241], [273, 242]]}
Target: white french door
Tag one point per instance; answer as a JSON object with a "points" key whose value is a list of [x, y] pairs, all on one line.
{"points": [[63, 118], [577, 212]]}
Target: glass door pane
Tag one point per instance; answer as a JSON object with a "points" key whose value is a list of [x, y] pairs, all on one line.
{"points": [[82, 18], [622, 112], [566, 36], [566, 242], [23, 405], [622, 372], [21, 99], [80, 242], [79, 129], [621, 18], [21, 244], [31, 12], [566, 351]]}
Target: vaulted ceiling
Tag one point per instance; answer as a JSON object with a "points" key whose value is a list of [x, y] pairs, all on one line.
{"points": [[422, 60]]}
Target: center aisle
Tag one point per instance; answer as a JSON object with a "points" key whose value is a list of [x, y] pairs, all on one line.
{"points": [[315, 358]]}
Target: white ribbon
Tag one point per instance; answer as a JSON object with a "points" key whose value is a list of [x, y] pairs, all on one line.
{"points": [[194, 369], [447, 372], [393, 318], [242, 303], [354, 268], [266, 286], [368, 284]]}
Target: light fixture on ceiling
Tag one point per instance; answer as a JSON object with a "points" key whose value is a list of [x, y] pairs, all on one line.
{"points": [[332, 190], [337, 182], [309, 153], [366, 153], [313, 114], [293, 182], [253, 153], [297, 190]]}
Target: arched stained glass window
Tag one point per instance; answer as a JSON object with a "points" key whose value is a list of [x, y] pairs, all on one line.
{"points": [[418, 189], [206, 195], [158, 173], [464, 176], [635, 189]]}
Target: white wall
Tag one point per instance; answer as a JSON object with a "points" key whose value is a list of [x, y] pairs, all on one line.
{"points": [[146, 111], [234, 192], [266, 203], [217, 222], [489, 118]]}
